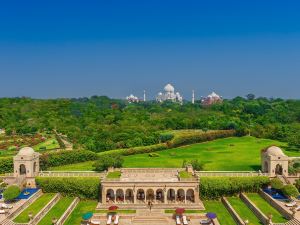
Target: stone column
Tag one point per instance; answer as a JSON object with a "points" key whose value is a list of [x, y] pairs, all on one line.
{"points": [[165, 196], [124, 196], [103, 195]]}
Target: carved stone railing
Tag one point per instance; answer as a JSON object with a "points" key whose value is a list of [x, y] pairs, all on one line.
{"points": [[71, 174], [229, 173], [67, 213]]}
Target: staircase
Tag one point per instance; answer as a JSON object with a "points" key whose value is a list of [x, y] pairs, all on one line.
{"points": [[7, 222], [145, 217], [284, 180], [290, 222]]}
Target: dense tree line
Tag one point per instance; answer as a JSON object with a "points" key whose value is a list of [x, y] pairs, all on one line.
{"points": [[100, 124]]}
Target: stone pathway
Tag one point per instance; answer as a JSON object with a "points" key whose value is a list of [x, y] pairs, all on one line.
{"points": [[15, 205]]}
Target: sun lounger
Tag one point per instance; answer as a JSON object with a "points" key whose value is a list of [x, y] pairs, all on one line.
{"points": [[5, 206], [206, 221], [116, 222], [184, 220], [178, 222], [95, 222], [291, 204], [2, 211], [298, 208], [109, 220]]}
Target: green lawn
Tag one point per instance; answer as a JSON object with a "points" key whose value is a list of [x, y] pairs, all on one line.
{"points": [[266, 208], [244, 212], [57, 211], [81, 208], [35, 207], [115, 174], [235, 154], [51, 143], [185, 174], [223, 215]]}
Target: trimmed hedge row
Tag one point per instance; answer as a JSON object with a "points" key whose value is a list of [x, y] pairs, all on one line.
{"points": [[83, 187], [178, 140], [51, 159], [217, 187]]}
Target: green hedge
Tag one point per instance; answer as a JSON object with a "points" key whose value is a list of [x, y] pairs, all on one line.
{"points": [[216, 187], [178, 140], [6, 165], [83, 187], [59, 158]]}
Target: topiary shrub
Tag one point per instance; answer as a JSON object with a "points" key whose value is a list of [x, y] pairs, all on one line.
{"points": [[11, 192], [83, 187], [276, 183], [290, 191], [153, 155]]}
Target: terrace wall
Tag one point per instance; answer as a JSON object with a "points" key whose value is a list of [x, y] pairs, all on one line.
{"points": [[67, 213], [288, 215], [232, 212], [259, 214]]}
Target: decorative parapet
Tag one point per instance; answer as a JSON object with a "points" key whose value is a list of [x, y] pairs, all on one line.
{"points": [[230, 173], [67, 213], [71, 174], [232, 212]]}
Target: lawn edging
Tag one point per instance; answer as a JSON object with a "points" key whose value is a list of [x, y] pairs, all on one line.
{"points": [[288, 215], [258, 213], [68, 212], [232, 211]]}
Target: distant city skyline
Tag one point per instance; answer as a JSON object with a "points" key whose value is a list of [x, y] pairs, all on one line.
{"points": [[115, 48]]}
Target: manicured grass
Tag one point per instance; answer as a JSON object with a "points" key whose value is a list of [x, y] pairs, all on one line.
{"points": [[51, 143], [34, 208], [244, 212], [223, 215], [84, 166], [124, 211], [266, 208], [57, 211], [185, 174], [81, 208], [231, 154], [115, 174], [188, 211]]}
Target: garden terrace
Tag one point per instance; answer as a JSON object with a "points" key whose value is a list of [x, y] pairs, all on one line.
{"points": [[223, 215], [34, 208], [56, 211], [243, 211], [266, 208]]}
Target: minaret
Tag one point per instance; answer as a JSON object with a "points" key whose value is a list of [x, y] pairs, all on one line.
{"points": [[193, 97], [144, 95]]}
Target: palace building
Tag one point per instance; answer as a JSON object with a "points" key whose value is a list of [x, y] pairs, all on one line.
{"points": [[169, 95]]}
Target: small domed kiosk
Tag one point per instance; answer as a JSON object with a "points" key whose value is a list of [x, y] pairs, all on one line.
{"points": [[274, 161], [26, 166]]}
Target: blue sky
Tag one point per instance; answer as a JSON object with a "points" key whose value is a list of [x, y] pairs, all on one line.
{"points": [[54, 48]]}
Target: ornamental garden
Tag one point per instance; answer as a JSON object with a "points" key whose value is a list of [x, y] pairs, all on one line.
{"points": [[192, 177]]}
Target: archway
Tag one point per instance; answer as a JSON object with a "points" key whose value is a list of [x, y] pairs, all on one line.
{"points": [[22, 169], [120, 195], [150, 195], [140, 195], [171, 195], [190, 196], [160, 195], [278, 169], [129, 196], [34, 167], [180, 195], [110, 195]]}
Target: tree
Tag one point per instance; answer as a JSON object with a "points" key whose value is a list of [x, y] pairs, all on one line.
{"points": [[290, 191], [11, 192], [250, 96], [276, 183], [108, 161], [197, 165]]}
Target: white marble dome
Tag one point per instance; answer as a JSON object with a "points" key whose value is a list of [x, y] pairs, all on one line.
{"points": [[274, 151], [169, 88], [26, 151]]}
